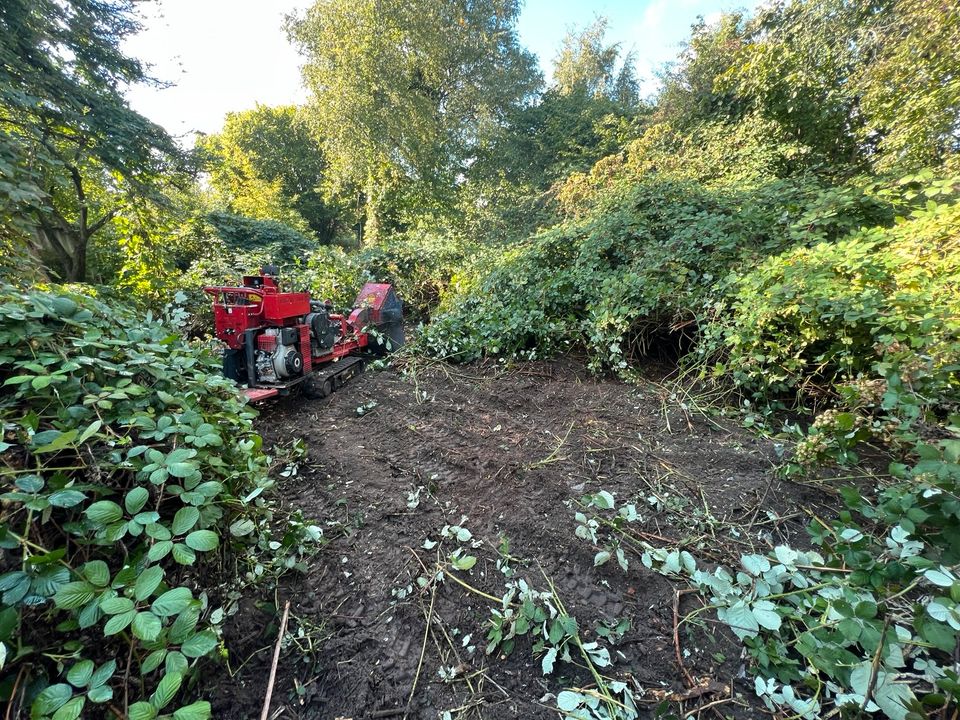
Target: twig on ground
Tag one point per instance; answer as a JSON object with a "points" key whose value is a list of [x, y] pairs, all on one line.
{"points": [[552, 457], [276, 659], [687, 679], [875, 665], [423, 652]]}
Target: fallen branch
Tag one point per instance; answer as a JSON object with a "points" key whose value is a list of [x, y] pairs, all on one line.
{"points": [[687, 679], [276, 659], [423, 652]]}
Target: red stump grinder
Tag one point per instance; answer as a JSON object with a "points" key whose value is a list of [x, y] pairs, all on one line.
{"points": [[278, 340]]}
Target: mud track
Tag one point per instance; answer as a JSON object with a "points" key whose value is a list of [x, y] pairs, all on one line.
{"points": [[512, 451]]}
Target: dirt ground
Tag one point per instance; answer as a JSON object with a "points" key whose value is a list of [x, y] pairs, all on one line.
{"points": [[511, 451]]}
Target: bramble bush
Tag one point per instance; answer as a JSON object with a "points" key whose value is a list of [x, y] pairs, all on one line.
{"points": [[128, 462], [642, 258]]}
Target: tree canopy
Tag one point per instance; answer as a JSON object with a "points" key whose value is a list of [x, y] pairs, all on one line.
{"points": [[405, 90], [69, 142], [267, 164]]}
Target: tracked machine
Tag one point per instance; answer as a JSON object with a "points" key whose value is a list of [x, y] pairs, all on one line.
{"points": [[276, 341]]}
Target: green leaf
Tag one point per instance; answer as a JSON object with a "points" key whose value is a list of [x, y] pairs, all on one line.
{"points": [[546, 664], [116, 605], [66, 498], [73, 595], [176, 662], [172, 602], [603, 500], [72, 710], [183, 555], [104, 512], [146, 626], [184, 520], [242, 527], [184, 625], [103, 674], [199, 710], [52, 699], [30, 483], [600, 558], [101, 694], [153, 661], [92, 428], [142, 711], [166, 690], [97, 572], [80, 674], [766, 615], [182, 469], [568, 701], [159, 550], [119, 622], [740, 619], [179, 455], [136, 499], [199, 644], [939, 578], [202, 540], [62, 441], [148, 581]]}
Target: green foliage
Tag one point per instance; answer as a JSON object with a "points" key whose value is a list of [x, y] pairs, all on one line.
{"points": [[867, 620], [266, 164], [860, 84], [403, 90], [587, 66], [420, 266], [69, 143], [125, 458], [270, 238], [645, 257], [877, 300]]}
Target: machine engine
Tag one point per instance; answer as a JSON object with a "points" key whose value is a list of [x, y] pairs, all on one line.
{"points": [[277, 356]]}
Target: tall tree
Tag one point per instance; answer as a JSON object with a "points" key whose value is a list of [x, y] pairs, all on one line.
{"points": [[588, 65], [69, 142], [267, 164], [859, 83], [405, 89]]}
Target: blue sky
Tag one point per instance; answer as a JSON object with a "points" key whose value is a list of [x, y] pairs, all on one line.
{"points": [[224, 55]]}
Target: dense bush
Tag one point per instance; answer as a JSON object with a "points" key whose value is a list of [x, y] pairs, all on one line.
{"points": [[127, 461], [814, 315], [642, 258], [279, 242]]}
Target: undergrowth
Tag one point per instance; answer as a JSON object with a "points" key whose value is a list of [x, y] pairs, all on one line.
{"points": [[129, 467]]}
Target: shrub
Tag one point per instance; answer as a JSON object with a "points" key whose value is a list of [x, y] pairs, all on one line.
{"points": [[281, 243], [643, 259], [812, 317], [126, 459]]}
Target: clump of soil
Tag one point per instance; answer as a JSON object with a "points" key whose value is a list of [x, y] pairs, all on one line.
{"points": [[511, 451]]}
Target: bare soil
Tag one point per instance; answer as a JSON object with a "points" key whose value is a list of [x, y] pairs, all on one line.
{"points": [[511, 451]]}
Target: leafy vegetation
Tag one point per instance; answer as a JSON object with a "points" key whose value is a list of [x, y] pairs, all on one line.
{"points": [[129, 462], [781, 218]]}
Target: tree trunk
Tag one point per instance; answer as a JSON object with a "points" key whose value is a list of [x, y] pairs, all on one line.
{"points": [[62, 245]]}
